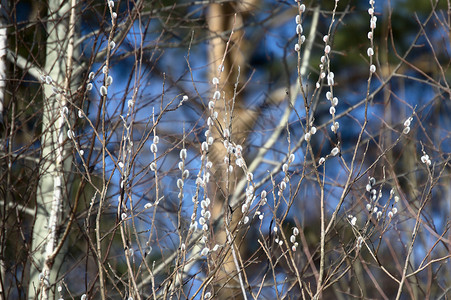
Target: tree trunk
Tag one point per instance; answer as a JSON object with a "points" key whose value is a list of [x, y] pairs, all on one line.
{"points": [[227, 64], [3, 47], [56, 156]]}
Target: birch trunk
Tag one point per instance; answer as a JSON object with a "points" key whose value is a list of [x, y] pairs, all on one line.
{"points": [[56, 158]]}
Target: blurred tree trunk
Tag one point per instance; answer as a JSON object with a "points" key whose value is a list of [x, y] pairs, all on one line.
{"points": [[3, 48], [56, 155], [227, 63]]}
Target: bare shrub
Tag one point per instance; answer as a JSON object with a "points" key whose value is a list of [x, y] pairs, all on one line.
{"points": [[224, 150]]}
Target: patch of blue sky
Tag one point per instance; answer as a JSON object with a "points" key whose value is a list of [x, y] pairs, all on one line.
{"points": [[196, 273]]}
